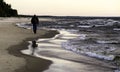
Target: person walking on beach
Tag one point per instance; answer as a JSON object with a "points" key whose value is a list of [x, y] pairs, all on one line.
{"points": [[35, 22], [34, 46]]}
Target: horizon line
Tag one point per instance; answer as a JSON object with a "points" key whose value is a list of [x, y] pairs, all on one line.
{"points": [[64, 15]]}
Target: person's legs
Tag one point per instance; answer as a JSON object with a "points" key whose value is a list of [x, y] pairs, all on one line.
{"points": [[34, 29]]}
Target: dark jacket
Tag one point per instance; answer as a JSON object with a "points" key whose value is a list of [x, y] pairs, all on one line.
{"points": [[35, 20]]}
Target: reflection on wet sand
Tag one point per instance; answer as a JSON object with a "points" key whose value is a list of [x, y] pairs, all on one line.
{"points": [[67, 61]]}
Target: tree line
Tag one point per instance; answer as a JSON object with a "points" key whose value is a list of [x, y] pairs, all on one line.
{"points": [[6, 10]]}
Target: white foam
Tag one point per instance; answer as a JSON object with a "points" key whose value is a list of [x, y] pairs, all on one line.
{"points": [[23, 25], [105, 42], [82, 36], [109, 57], [117, 29], [89, 51], [117, 71], [99, 25], [84, 26]]}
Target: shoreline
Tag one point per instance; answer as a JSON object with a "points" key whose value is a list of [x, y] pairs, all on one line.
{"points": [[33, 64]]}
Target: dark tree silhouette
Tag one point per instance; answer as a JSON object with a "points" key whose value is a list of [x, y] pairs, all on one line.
{"points": [[6, 10]]}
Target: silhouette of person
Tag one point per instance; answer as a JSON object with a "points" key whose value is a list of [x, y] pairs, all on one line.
{"points": [[34, 46], [35, 22]]}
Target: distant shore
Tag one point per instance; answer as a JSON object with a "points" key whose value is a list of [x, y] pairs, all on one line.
{"points": [[74, 17]]}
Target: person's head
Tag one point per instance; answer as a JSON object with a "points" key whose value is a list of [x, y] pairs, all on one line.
{"points": [[34, 15]]}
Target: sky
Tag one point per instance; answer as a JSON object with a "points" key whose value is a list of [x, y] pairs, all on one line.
{"points": [[67, 7]]}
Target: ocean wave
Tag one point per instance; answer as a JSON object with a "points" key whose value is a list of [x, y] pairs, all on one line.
{"points": [[91, 50]]}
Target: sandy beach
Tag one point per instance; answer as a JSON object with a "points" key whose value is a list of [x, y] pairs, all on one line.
{"points": [[51, 56], [14, 39]]}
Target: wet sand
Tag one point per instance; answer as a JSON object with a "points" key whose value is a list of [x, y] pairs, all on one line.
{"points": [[14, 39]]}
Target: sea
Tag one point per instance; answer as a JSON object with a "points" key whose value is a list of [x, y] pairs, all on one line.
{"points": [[79, 44]]}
